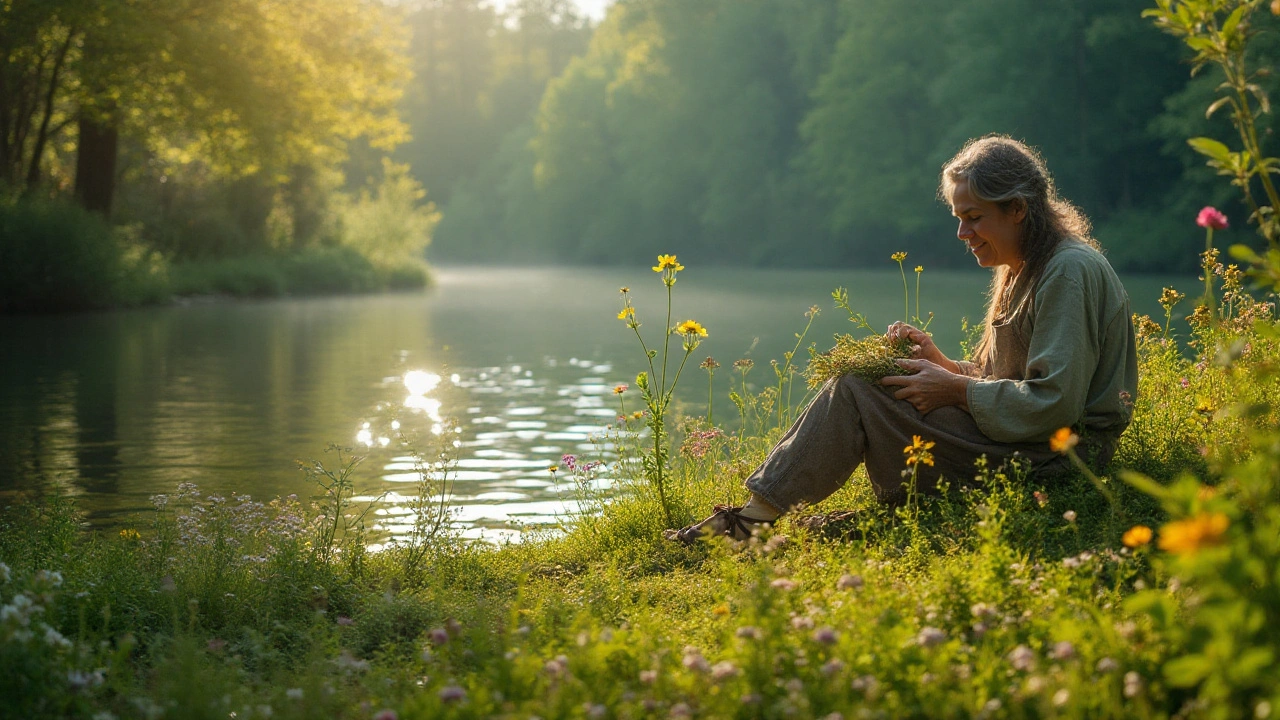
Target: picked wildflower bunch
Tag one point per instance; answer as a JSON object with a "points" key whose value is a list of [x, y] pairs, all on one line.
{"points": [[870, 358]]}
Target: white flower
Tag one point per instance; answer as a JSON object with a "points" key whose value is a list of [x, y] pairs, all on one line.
{"points": [[293, 693], [783, 584], [1063, 650], [849, 582], [1069, 516], [832, 667], [452, 693], [723, 670], [1021, 658], [1061, 697], [930, 636], [5, 574], [1106, 665]]}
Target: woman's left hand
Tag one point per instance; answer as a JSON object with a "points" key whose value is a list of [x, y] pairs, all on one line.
{"points": [[930, 387]]}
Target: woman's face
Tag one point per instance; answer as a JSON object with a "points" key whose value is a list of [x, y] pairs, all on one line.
{"points": [[992, 235]]}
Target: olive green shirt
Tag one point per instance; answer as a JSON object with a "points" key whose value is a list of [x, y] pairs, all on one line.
{"points": [[1064, 356]]}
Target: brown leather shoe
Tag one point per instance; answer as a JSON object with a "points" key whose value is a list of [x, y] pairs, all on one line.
{"points": [[725, 520]]}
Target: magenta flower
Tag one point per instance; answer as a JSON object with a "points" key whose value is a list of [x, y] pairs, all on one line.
{"points": [[1210, 217]]}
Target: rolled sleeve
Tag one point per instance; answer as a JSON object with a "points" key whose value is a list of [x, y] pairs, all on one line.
{"points": [[1061, 360]]}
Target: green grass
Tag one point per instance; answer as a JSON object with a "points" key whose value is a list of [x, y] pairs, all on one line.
{"points": [[984, 602]]}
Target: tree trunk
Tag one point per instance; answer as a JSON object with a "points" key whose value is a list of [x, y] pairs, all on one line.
{"points": [[96, 156], [37, 152]]}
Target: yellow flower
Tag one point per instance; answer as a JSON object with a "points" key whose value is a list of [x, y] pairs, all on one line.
{"points": [[624, 289], [1137, 536], [637, 414], [667, 261], [1170, 297], [721, 609], [691, 327], [1063, 440], [619, 389], [130, 534], [918, 451], [919, 268], [1185, 537], [553, 469], [627, 312], [898, 256]]}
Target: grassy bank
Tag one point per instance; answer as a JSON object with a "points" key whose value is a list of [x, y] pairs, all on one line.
{"points": [[1017, 596], [56, 257]]}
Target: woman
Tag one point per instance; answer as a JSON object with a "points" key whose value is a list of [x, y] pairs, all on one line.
{"points": [[1057, 351]]}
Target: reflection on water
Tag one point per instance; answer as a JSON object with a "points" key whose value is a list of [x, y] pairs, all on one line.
{"points": [[510, 369]]}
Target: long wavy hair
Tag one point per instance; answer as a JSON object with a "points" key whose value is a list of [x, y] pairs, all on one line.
{"points": [[1012, 175]]}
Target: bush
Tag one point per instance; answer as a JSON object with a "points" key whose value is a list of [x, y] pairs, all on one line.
{"points": [[55, 256]]}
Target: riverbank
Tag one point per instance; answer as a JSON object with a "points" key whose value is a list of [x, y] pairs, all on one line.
{"points": [[57, 257], [1023, 598]]}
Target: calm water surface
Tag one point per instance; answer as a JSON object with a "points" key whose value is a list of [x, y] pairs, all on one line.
{"points": [[117, 407]]}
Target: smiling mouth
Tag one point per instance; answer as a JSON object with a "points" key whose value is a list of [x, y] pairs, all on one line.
{"points": [[974, 248]]}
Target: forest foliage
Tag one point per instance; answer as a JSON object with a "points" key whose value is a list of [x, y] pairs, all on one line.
{"points": [[776, 132]]}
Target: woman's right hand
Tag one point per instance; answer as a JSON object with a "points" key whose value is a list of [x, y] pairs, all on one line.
{"points": [[922, 346]]}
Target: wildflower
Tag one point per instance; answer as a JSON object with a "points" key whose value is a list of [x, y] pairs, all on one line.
{"points": [[293, 693], [1069, 516], [1185, 537], [1170, 297], [825, 636], [667, 262], [693, 660], [624, 289], [721, 609], [553, 469], [983, 611], [1185, 383], [691, 328], [1042, 498], [744, 364], [1200, 317], [1063, 440], [1063, 650], [681, 710], [569, 461], [637, 414], [918, 451], [1210, 218], [832, 667], [627, 313], [385, 715], [849, 582], [452, 693], [783, 584], [1061, 697], [1106, 665], [1132, 684], [557, 666], [898, 257], [919, 269], [723, 670], [648, 677], [812, 312], [709, 364], [1021, 658], [438, 636], [596, 710], [775, 543], [802, 622], [5, 573], [749, 632], [1136, 536], [620, 388], [345, 621], [930, 636]]}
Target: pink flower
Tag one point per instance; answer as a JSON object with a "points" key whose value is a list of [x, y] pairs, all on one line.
{"points": [[438, 636], [345, 621], [385, 715], [1210, 217], [452, 693]]}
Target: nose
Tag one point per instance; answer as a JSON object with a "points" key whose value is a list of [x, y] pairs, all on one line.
{"points": [[965, 231]]}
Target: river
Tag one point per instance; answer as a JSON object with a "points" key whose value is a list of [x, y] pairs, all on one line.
{"points": [[115, 407]]}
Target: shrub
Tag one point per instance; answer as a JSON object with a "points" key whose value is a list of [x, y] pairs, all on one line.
{"points": [[55, 256]]}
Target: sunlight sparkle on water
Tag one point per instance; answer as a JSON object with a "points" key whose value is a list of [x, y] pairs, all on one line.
{"points": [[420, 382]]}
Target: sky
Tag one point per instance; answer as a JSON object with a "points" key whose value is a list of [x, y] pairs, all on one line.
{"points": [[591, 8]]}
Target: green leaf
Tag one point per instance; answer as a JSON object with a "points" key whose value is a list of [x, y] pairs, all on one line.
{"points": [[1217, 105], [1233, 21], [1187, 670], [1244, 253], [1211, 148]]}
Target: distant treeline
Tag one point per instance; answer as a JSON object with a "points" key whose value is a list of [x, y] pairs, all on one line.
{"points": [[805, 132]]}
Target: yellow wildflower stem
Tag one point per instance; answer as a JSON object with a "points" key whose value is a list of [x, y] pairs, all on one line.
{"points": [[666, 399], [906, 293], [666, 341], [917, 318], [1097, 482]]}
